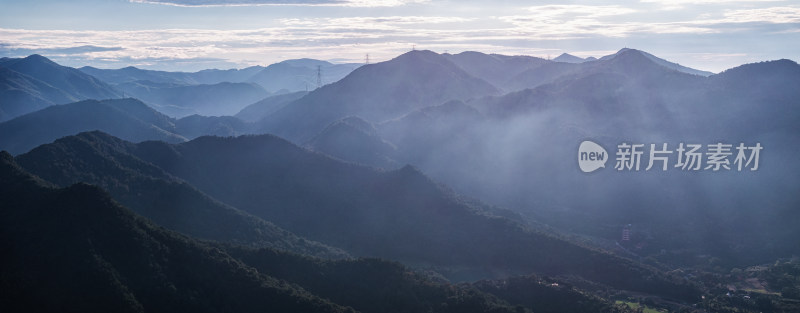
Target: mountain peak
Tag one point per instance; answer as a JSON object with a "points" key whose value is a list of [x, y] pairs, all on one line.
{"points": [[625, 49], [376, 93], [629, 52], [418, 55], [631, 61], [762, 76], [568, 58], [766, 66], [631, 55], [126, 118], [33, 61], [6, 157], [38, 58]]}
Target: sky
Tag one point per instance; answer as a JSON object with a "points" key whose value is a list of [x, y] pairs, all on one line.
{"points": [[190, 35]]}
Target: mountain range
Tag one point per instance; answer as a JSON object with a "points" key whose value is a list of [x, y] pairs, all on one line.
{"points": [[288, 75], [363, 211], [34, 82], [178, 101], [371, 213], [127, 118], [462, 167], [75, 249], [568, 58], [413, 80], [626, 98], [100, 159], [208, 77], [259, 110]]}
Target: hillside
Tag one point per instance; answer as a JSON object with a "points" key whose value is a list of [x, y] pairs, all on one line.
{"points": [[300, 74], [518, 154], [259, 110], [100, 159], [209, 76], [35, 82], [383, 214], [498, 70], [377, 92], [355, 140], [175, 100], [91, 254], [75, 249], [129, 119]]}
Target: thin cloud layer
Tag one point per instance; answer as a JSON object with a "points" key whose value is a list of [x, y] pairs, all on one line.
{"points": [[346, 3], [680, 4], [710, 39]]}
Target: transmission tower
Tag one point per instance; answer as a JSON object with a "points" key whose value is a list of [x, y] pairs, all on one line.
{"points": [[366, 59], [319, 76]]}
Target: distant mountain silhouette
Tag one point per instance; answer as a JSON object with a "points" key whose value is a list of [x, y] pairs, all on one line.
{"points": [[129, 119], [23, 94], [496, 69], [553, 72], [355, 140], [103, 160], [662, 62], [377, 92], [429, 129], [568, 58], [268, 105], [307, 62], [518, 153], [215, 76], [545, 74], [131, 74], [181, 100], [778, 75], [636, 66], [209, 77], [288, 75], [300, 74], [34, 82]]}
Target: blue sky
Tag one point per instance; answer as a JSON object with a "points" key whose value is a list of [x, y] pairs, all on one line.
{"points": [[195, 34]]}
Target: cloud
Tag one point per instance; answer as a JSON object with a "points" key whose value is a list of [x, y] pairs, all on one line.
{"points": [[561, 12], [773, 15], [680, 4], [345, 3], [76, 50], [529, 30], [581, 21]]}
